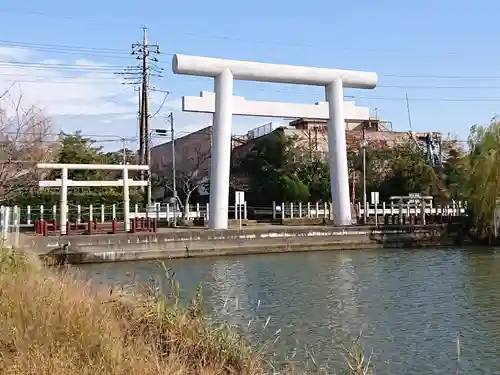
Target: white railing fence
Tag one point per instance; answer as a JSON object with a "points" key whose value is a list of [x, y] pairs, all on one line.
{"points": [[322, 210], [104, 213], [9, 226]]}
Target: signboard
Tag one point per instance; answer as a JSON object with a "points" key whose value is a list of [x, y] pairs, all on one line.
{"points": [[414, 195], [239, 198], [375, 197]]}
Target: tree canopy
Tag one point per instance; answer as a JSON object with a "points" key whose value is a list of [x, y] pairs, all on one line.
{"points": [[276, 169], [77, 149]]}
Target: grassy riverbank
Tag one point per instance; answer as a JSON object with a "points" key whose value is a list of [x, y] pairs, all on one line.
{"points": [[53, 324]]}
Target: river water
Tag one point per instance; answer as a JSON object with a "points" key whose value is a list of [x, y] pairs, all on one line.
{"points": [[409, 304]]}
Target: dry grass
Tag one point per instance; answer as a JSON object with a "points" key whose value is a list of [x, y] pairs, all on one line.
{"points": [[53, 324]]}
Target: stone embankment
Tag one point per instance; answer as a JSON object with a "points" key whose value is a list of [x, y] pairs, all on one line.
{"points": [[185, 243]]}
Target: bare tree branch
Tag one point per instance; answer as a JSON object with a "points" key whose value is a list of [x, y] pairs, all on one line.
{"points": [[24, 142], [7, 90], [192, 171]]}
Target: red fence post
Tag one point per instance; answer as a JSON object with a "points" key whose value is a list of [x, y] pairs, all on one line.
{"points": [[45, 229], [89, 225], [68, 227], [155, 225], [114, 227]]}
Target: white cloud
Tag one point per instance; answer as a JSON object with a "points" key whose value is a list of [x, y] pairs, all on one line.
{"points": [[81, 94], [78, 88]]}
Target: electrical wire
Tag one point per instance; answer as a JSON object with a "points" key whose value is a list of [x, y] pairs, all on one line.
{"points": [[238, 39]]}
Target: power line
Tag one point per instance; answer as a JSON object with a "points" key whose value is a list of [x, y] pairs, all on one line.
{"points": [[133, 73], [430, 76], [109, 80], [63, 46], [470, 99], [58, 66], [64, 49], [433, 87], [238, 39], [114, 52]]}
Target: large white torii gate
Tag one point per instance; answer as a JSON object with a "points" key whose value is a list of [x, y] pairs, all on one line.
{"points": [[224, 71]]}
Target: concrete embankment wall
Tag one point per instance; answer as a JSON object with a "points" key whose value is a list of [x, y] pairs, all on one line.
{"points": [[196, 243]]}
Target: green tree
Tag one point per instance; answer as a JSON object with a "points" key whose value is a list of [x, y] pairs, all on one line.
{"points": [[271, 170], [454, 174], [76, 149], [482, 166], [315, 173]]}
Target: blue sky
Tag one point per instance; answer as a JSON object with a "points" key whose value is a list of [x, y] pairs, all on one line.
{"points": [[442, 53]]}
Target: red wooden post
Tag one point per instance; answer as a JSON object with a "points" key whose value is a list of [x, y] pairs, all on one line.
{"points": [[68, 227], [45, 230], [90, 227], [114, 227], [133, 225], [148, 224], [155, 225]]}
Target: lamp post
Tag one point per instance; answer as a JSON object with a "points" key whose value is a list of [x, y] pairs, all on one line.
{"points": [[365, 212], [163, 133]]}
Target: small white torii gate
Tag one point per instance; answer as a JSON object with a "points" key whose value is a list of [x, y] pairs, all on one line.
{"points": [[63, 183], [225, 105]]}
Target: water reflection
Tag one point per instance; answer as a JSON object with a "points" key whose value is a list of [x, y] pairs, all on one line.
{"points": [[410, 304]]}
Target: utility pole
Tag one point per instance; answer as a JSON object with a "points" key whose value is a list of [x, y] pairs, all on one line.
{"points": [[172, 138], [124, 147], [174, 177], [365, 211], [143, 50]]}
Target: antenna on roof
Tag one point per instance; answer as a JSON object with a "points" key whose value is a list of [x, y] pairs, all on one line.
{"points": [[408, 109]]}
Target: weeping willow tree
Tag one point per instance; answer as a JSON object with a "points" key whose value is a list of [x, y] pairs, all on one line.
{"points": [[482, 165]]}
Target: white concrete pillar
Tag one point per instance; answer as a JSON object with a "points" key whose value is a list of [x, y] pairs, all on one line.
{"points": [[64, 201], [337, 154], [221, 150], [126, 200]]}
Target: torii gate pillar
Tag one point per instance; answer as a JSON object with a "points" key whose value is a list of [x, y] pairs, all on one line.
{"points": [[224, 71], [221, 151]]}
